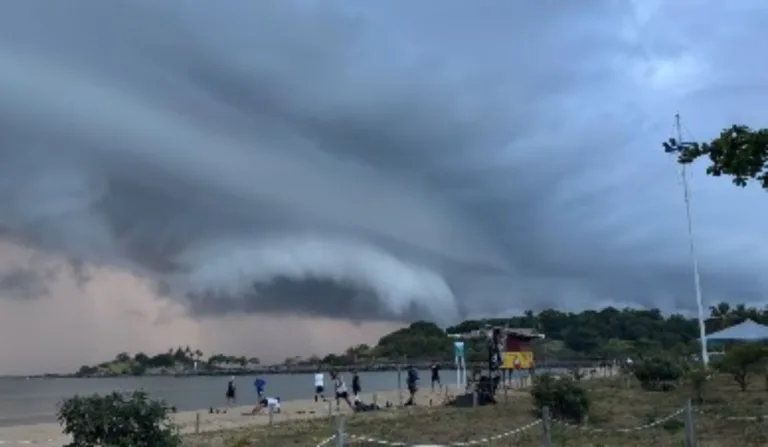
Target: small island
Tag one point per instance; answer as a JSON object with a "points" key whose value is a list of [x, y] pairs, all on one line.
{"points": [[569, 339]]}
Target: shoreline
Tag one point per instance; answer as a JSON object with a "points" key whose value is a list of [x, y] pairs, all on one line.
{"points": [[201, 421], [303, 369]]}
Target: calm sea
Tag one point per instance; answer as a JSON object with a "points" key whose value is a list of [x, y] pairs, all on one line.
{"points": [[33, 401]]}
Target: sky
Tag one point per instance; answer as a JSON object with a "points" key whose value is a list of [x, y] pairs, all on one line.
{"points": [[281, 178]]}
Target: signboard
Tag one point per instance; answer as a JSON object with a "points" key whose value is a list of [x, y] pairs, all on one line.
{"points": [[518, 360], [458, 350]]}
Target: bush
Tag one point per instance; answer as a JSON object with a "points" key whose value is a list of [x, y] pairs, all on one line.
{"points": [[117, 420], [742, 360], [697, 377], [657, 373], [566, 398]]}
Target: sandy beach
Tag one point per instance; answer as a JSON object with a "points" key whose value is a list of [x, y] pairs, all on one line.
{"points": [[50, 435]]}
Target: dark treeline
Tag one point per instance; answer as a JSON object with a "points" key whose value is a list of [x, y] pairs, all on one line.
{"points": [[609, 333], [605, 334]]}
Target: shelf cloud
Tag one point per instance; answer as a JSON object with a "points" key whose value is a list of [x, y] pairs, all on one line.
{"points": [[351, 161]]}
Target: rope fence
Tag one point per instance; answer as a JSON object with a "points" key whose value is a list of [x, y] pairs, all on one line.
{"points": [[544, 426]]}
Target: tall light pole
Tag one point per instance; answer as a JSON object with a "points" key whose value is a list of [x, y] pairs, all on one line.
{"points": [[675, 147]]}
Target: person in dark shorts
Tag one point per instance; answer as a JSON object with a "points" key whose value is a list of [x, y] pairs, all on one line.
{"points": [[341, 390], [412, 381], [231, 395], [435, 370], [319, 385], [356, 387]]}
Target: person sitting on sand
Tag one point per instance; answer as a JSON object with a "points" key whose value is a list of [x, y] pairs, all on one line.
{"points": [[231, 395], [360, 406], [341, 390]]}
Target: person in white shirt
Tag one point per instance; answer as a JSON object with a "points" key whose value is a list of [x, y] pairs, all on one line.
{"points": [[270, 403], [341, 390], [319, 386]]}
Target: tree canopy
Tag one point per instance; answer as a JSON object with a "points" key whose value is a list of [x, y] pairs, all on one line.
{"points": [[609, 333], [739, 152]]}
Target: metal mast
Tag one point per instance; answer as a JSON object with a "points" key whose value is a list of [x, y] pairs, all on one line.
{"points": [[679, 145]]}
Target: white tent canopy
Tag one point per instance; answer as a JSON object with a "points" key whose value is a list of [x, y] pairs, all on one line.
{"points": [[745, 331]]}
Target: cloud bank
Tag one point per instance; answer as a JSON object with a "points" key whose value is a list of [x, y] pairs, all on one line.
{"points": [[350, 161]]}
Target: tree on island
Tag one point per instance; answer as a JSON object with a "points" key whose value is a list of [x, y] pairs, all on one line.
{"points": [[739, 152]]}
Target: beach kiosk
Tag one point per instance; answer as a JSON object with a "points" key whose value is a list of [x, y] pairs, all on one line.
{"points": [[518, 352]]}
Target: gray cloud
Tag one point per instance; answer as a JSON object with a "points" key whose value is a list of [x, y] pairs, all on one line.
{"points": [[352, 161], [24, 283]]}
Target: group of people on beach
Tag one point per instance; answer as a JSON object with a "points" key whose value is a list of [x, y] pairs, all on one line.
{"points": [[340, 389]]}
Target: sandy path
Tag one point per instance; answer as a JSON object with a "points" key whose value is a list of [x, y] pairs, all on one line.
{"points": [[49, 434]]}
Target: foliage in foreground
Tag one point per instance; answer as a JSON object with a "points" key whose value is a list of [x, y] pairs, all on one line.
{"points": [[743, 360], [117, 420], [658, 373], [738, 152], [567, 399]]}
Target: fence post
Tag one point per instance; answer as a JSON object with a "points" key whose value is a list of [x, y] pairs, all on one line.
{"points": [[690, 432], [400, 384], [271, 414], [330, 408], [197, 422], [474, 398], [340, 441], [546, 438]]}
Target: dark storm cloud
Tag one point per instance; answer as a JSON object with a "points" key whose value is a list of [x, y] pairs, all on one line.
{"points": [[356, 162], [21, 283]]}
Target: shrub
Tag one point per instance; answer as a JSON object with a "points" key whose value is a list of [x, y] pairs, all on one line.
{"points": [[566, 398], [117, 420], [657, 373], [742, 360], [697, 377]]}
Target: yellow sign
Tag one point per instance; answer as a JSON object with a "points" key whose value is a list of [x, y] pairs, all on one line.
{"points": [[518, 360]]}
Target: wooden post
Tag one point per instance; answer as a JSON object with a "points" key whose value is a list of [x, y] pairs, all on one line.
{"points": [[690, 432], [546, 439], [197, 423], [330, 408], [400, 383], [474, 398], [340, 441], [271, 411]]}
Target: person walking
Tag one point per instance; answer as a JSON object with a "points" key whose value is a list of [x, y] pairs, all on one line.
{"points": [[259, 384], [435, 370], [231, 395], [356, 387], [341, 390], [412, 382]]}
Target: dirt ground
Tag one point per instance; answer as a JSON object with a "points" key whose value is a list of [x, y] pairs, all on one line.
{"points": [[727, 417]]}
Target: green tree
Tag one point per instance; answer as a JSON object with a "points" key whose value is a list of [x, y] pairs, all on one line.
{"points": [[742, 360], [738, 152]]}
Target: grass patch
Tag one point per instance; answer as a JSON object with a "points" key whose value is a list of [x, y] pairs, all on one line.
{"points": [[727, 418]]}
